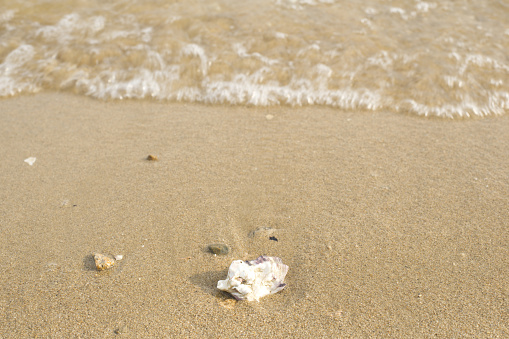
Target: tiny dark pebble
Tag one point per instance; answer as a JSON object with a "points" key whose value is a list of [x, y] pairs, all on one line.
{"points": [[120, 330], [220, 249], [273, 238], [152, 157]]}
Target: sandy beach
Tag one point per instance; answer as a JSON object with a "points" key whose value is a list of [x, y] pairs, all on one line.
{"points": [[393, 226]]}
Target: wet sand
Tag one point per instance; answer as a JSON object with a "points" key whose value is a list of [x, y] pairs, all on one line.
{"points": [[392, 225]]}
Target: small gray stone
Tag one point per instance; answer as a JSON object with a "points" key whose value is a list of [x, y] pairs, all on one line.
{"points": [[219, 249]]}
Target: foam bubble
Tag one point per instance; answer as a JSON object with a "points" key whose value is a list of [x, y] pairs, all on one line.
{"points": [[12, 72], [422, 6]]}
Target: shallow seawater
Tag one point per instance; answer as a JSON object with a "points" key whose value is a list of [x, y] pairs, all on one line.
{"points": [[445, 58]]}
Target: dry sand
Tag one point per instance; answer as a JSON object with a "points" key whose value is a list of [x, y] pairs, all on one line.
{"points": [[393, 226]]}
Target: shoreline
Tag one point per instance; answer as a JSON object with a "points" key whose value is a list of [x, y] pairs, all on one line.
{"points": [[392, 226]]}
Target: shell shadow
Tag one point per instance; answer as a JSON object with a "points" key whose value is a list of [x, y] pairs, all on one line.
{"points": [[207, 282], [89, 263]]}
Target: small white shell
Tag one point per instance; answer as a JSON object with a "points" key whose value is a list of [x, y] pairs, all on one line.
{"points": [[251, 280], [30, 160]]}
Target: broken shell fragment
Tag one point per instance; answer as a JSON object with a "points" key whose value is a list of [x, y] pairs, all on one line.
{"points": [[103, 262], [152, 157], [251, 280], [30, 160]]}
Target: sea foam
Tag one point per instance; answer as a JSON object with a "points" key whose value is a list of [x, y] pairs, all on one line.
{"points": [[349, 55]]}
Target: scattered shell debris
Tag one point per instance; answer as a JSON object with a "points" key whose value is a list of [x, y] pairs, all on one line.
{"points": [[251, 280], [103, 262], [152, 157], [262, 231], [30, 160], [67, 203], [219, 249]]}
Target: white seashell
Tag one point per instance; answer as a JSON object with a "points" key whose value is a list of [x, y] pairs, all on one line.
{"points": [[30, 160], [251, 280]]}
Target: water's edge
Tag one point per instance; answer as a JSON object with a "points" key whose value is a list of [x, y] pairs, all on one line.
{"points": [[431, 59]]}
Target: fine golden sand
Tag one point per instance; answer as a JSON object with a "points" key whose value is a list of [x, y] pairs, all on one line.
{"points": [[392, 226]]}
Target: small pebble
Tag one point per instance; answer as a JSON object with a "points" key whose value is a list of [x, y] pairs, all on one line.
{"points": [[103, 262], [273, 238], [121, 330], [119, 257], [220, 249], [269, 117], [152, 157]]}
